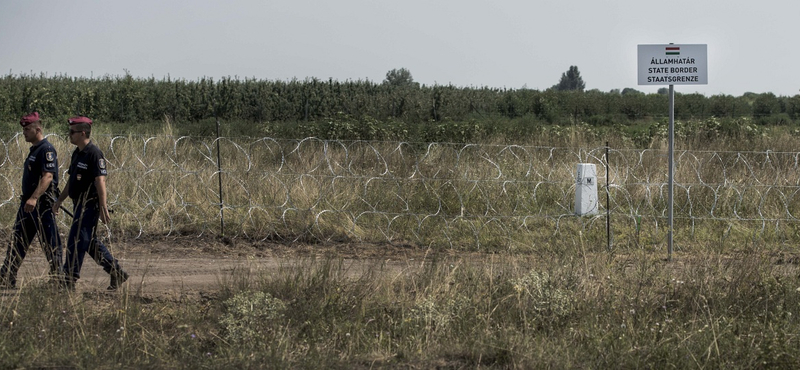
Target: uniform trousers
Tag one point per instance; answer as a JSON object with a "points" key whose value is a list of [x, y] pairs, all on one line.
{"points": [[82, 239], [27, 225]]}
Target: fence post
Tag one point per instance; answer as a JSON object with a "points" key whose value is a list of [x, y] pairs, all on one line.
{"points": [[608, 204], [219, 176]]}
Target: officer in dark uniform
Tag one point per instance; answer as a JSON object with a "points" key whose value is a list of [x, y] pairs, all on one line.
{"points": [[35, 215], [86, 187]]}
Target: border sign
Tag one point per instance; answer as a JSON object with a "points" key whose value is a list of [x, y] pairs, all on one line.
{"points": [[672, 64]]}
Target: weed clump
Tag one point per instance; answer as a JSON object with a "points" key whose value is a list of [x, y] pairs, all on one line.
{"points": [[250, 315], [539, 293]]}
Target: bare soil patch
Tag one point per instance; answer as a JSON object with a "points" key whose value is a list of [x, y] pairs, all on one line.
{"points": [[178, 268]]}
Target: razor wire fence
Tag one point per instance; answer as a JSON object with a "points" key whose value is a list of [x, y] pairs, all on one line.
{"points": [[454, 195]]}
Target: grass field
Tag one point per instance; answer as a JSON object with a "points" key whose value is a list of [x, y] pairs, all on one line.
{"points": [[528, 298], [549, 310], [490, 197]]}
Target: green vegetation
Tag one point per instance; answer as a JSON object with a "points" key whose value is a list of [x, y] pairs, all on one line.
{"points": [[396, 109], [571, 80]]}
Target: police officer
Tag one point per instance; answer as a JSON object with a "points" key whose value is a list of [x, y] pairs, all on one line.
{"points": [[86, 187], [35, 215]]}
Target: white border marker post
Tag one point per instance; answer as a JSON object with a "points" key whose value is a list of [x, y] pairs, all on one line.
{"points": [[672, 64]]}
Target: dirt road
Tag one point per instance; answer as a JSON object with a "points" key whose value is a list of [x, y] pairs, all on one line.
{"points": [[193, 268], [186, 268]]}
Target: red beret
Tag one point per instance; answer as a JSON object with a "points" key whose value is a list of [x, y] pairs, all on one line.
{"points": [[31, 118], [79, 119]]}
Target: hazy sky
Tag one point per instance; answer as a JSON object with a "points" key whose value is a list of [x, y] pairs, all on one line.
{"points": [[752, 45]]}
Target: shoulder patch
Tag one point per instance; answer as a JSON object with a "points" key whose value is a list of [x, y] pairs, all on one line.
{"points": [[50, 156], [101, 163]]}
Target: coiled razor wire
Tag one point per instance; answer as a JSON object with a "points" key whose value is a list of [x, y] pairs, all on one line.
{"points": [[431, 194]]}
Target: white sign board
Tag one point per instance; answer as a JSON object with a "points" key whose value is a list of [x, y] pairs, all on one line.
{"points": [[673, 64]]}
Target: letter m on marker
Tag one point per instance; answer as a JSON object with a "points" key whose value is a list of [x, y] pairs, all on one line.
{"points": [[673, 50]]}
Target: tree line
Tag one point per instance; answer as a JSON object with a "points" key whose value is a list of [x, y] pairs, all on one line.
{"points": [[126, 99]]}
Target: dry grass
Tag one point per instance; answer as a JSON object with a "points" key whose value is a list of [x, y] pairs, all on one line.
{"points": [[563, 309], [453, 196], [549, 295]]}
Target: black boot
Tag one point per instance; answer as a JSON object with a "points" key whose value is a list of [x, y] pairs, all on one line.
{"points": [[118, 277], [56, 275], [68, 283], [6, 280], [7, 283]]}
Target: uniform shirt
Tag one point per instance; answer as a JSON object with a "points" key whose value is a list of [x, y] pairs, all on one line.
{"points": [[42, 158], [86, 165]]}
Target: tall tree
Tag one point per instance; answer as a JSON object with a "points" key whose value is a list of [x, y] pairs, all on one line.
{"points": [[630, 90], [399, 77], [571, 80]]}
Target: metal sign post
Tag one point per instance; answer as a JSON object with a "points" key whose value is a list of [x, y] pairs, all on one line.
{"points": [[671, 174], [671, 64]]}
